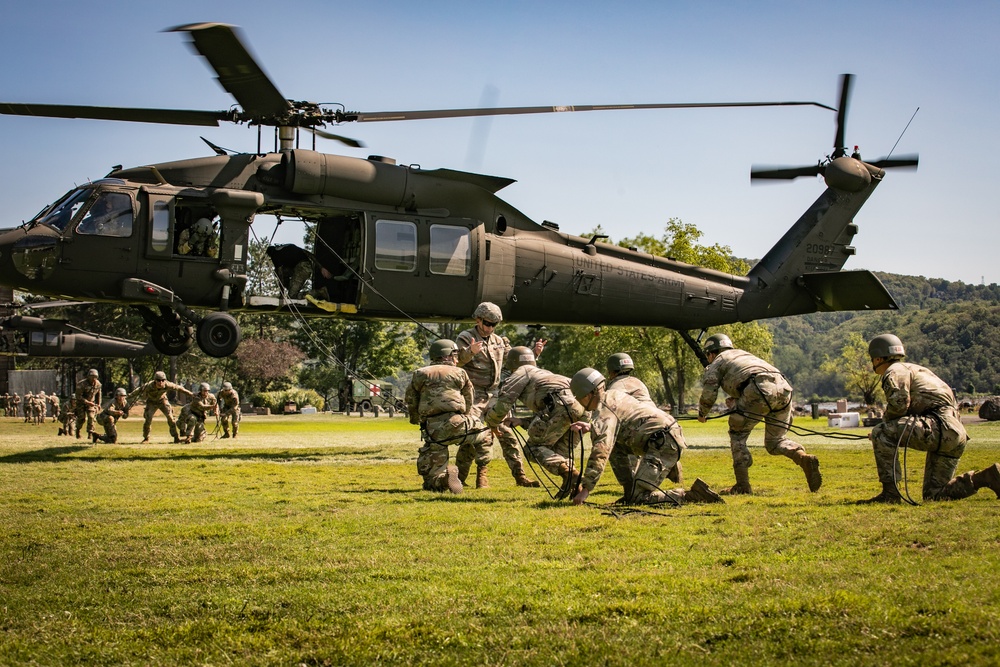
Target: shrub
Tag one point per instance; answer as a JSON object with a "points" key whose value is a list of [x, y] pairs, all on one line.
{"points": [[276, 399]]}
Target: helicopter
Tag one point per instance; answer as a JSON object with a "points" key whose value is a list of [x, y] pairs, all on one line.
{"points": [[394, 241]]}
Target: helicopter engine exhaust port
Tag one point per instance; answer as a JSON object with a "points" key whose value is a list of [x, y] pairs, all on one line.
{"points": [[219, 334], [311, 173]]}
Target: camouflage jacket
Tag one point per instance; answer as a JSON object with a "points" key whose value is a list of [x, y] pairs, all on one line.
{"points": [[730, 370], [151, 394], [113, 409], [228, 400], [202, 406], [438, 389], [483, 368], [87, 394], [530, 385], [630, 385], [623, 421], [914, 390]]}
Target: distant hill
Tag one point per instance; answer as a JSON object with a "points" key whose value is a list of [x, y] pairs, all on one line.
{"points": [[951, 327]]}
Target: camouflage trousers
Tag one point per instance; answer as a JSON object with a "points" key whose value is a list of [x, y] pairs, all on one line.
{"points": [[940, 434], [663, 451], [230, 416], [185, 421], [508, 443], [442, 431], [110, 429], [550, 442], [150, 410], [88, 415], [767, 395]]}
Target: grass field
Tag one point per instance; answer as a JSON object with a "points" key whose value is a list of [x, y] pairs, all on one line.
{"points": [[308, 541]]}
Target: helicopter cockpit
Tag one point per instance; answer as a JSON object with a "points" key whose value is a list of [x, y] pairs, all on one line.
{"points": [[103, 213]]}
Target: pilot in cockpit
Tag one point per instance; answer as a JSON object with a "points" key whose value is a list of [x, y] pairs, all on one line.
{"points": [[110, 215]]}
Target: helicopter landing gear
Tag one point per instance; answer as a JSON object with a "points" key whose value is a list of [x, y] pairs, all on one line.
{"points": [[170, 333], [218, 334]]}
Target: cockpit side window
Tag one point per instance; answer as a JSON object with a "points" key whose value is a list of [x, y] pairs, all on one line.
{"points": [[60, 214], [110, 215]]}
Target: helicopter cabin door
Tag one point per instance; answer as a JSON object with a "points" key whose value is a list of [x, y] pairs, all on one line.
{"points": [[102, 247], [422, 265]]}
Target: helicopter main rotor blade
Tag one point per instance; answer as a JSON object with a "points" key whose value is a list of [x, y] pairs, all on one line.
{"points": [[784, 173], [839, 148], [164, 116], [236, 69], [380, 116], [348, 141], [903, 161]]}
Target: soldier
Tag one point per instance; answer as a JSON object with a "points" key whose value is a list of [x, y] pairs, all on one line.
{"points": [[760, 392], [200, 239], [55, 403], [38, 411], [16, 403], [921, 413], [481, 352], [548, 396], [109, 416], [88, 401], [67, 416], [619, 420], [185, 423], [202, 405], [440, 399], [29, 402], [154, 393], [229, 409]]}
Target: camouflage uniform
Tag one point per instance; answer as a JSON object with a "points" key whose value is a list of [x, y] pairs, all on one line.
{"points": [[67, 416], [548, 396], [484, 371], [88, 403], [761, 391], [108, 418], [185, 421], [202, 405], [229, 411], [155, 397], [623, 462], [54, 401], [921, 414], [439, 398], [621, 422], [16, 403]]}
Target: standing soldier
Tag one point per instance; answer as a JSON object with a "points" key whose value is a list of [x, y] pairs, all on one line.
{"points": [[761, 393], [55, 402], [229, 409], [481, 352], [67, 415], [554, 409], [41, 404], [619, 420], [88, 401], [154, 393], [202, 405], [109, 416], [440, 399], [29, 405], [921, 413], [6, 404], [16, 404]]}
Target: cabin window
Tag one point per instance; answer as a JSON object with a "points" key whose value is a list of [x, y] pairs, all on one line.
{"points": [[395, 245], [451, 252], [160, 238], [110, 215]]}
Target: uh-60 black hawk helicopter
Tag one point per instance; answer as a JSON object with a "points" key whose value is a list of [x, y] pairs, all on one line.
{"points": [[392, 239]]}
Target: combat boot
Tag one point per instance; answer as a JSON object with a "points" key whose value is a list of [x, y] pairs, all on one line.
{"points": [[702, 493], [742, 486], [462, 470], [988, 478], [454, 484], [570, 479], [517, 470], [889, 496], [225, 434], [810, 466], [481, 481], [676, 474], [61, 431], [94, 437]]}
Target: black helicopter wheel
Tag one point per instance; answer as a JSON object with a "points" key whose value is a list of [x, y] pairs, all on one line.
{"points": [[172, 340], [218, 335]]}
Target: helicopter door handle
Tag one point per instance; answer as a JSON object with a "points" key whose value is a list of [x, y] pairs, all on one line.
{"points": [[710, 299]]}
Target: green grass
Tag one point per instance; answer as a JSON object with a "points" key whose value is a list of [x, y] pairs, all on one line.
{"points": [[308, 541]]}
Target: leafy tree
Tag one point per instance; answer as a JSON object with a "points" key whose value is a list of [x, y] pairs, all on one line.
{"points": [[266, 365], [853, 368]]}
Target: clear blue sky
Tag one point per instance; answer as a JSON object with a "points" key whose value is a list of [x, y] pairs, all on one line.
{"points": [[627, 171]]}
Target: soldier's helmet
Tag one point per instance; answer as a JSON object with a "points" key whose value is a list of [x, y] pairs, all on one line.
{"points": [[519, 356], [585, 381], [159, 375], [41, 393], [718, 343], [120, 391], [620, 363], [92, 373], [488, 311], [886, 345], [442, 349], [227, 385], [204, 386]]}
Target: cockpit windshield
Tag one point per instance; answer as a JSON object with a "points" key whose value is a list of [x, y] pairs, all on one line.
{"points": [[63, 211]]}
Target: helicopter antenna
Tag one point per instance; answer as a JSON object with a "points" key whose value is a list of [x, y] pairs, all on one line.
{"points": [[902, 133]]}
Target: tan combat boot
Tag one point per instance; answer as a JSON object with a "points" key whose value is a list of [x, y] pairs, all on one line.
{"points": [[742, 486], [988, 478], [462, 470], [702, 493], [570, 479], [889, 496], [481, 481], [521, 479], [810, 466]]}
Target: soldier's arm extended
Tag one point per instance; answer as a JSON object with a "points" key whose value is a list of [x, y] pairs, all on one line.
{"points": [[512, 389], [710, 390]]}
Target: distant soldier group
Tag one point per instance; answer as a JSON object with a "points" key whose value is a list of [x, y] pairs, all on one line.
{"points": [[35, 406]]}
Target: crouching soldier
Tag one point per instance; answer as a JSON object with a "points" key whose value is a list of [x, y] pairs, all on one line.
{"points": [[440, 398], [619, 420], [109, 416], [203, 405], [229, 409], [67, 416]]}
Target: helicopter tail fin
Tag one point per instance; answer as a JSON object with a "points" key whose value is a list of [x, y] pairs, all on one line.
{"points": [[802, 272]]}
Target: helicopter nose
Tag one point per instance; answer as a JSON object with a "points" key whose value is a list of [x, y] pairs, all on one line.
{"points": [[26, 257]]}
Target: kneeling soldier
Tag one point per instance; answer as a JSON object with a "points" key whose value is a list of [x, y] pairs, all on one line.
{"points": [[108, 418]]}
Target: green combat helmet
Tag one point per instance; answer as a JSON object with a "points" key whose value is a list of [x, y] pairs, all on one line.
{"points": [[718, 343], [620, 363], [886, 346], [585, 381], [159, 375], [519, 356], [442, 349], [488, 311]]}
